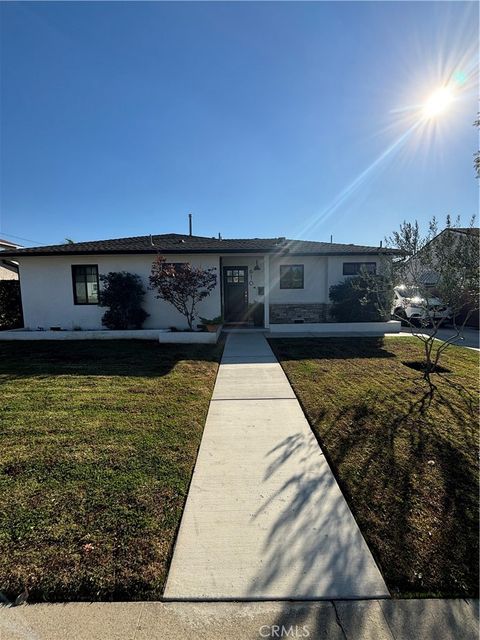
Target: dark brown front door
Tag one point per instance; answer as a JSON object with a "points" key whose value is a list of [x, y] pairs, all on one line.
{"points": [[235, 294]]}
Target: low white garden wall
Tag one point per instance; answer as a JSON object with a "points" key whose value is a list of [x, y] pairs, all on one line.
{"points": [[189, 337], [392, 326], [134, 334], [162, 335]]}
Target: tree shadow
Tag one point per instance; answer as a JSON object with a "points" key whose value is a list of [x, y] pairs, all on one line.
{"points": [[330, 348], [468, 398], [132, 358], [452, 489], [427, 465], [313, 549], [352, 620]]}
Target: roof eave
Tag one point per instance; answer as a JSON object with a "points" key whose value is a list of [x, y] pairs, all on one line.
{"points": [[8, 264], [154, 251]]}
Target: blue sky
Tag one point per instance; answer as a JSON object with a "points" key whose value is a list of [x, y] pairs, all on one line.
{"points": [[118, 119]]}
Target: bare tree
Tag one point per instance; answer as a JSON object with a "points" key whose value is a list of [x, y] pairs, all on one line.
{"points": [[439, 275]]}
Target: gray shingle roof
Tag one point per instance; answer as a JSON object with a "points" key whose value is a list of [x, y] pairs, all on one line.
{"points": [[177, 243], [469, 231]]}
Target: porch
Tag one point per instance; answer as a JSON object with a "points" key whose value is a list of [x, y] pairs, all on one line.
{"points": [[263, 290], [287, 293]]}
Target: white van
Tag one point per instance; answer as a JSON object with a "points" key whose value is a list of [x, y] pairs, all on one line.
{"points": [[409, 304]]}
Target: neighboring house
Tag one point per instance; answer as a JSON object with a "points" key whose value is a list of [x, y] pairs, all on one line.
{"points": [[8, 268], [428, 278], [290, 278]]}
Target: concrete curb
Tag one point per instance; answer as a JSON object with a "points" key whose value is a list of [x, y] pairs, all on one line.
{"points": [[331, 620]]}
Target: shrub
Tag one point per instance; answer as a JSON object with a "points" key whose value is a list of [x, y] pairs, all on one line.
{"points": [[355, 300], [123, 292], [11, 316]]}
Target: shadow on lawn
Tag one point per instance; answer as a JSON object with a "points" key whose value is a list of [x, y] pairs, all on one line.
{"points": [[463, 393], [414, 487], [328, 554], [97, 358], [426, 467], [330, 348]]}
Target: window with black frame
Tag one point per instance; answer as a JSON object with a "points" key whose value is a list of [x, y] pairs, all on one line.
{"points": [[291, 276], [356, 268], [85, 283], [235, 276]]}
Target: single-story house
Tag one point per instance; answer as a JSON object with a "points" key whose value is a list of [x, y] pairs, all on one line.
{"points": [[290, 279]]}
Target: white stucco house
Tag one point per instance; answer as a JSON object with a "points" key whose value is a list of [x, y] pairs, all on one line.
{"points": [[290, 278]]}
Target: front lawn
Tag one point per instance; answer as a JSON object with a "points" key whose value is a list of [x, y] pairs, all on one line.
{"points": [[97, 446], [407, 463]]}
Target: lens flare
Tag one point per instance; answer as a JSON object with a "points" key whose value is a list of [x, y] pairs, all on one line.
{"points": [[431, 97], [438, 102]]}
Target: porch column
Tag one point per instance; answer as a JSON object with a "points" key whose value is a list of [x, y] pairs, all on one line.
{"points": [[266, 297]]}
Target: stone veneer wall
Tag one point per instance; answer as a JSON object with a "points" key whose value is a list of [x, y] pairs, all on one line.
{"points": [[308, 312]]}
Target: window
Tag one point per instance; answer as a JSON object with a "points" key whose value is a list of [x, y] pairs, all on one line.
{"points": [[291, 276], [355, 268], [236, 276], [85, 283], [177, 266]]}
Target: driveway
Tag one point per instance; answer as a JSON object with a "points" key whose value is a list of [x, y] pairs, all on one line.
{"points": [[471, 336], [265, 518]]}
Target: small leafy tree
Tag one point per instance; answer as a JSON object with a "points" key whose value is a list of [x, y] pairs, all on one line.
{"points": [[11, 316], [356, 299], [123, 293], [443, 270], [182, 285]]}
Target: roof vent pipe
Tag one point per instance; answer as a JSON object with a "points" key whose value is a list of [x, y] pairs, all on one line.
{"points": [[189, 224], [331, 239], [381, 243], [220, 236]]}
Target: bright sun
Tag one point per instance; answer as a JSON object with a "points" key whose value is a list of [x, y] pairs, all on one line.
{"points": [[438, 102]]}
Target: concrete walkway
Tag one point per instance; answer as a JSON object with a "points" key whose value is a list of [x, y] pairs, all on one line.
{"points": [[334, 620], [265, 518]]}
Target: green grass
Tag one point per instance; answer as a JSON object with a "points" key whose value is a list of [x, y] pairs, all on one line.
{"points": [[97, 446], [407, 463]]}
